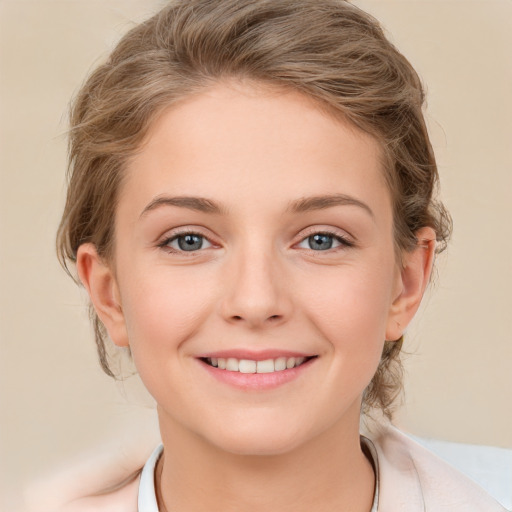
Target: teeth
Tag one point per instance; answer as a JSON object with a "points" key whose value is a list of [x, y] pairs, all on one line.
{"points": [[280, 364], [266, 366], [232, 364], [249, 366]]}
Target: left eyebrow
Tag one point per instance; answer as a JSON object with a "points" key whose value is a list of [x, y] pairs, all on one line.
{"points": [[322, 202]]}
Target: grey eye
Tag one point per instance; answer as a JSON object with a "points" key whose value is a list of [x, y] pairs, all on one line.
{"points": [[320, 241], [324, 242], [189, 242]]}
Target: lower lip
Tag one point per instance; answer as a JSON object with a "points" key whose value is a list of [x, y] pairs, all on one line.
{"points": [[257, 381]]}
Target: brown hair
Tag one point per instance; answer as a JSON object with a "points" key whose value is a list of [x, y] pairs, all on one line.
{"points": [[329, 50]]}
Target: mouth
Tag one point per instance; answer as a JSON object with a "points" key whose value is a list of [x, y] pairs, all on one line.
{"points": [[248, 366], [257, 370]]}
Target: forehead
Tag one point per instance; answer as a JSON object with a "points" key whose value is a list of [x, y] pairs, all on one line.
{"points": [[241, 141]]}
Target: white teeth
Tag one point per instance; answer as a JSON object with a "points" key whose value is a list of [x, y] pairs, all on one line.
{"points": [[232, 364], [247, 366], [266, 366], [279, 364]]}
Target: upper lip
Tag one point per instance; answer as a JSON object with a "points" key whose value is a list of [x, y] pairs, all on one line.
{"points": [[254, 355]]}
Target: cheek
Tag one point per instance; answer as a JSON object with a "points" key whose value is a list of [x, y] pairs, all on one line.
{"points": [[350, 307], [345, 309], [162, 307]]}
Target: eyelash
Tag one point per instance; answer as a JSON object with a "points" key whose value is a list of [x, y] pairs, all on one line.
{"points": [[344, 242]]}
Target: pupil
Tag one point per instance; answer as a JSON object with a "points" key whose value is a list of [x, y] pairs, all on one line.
{"points": [[320, 242], [190, 242]]}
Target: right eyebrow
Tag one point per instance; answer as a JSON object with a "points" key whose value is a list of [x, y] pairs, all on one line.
{"points": [[199, 204]]}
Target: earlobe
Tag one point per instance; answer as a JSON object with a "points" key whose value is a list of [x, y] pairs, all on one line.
{"points": [[412, 282], [101, 285]]}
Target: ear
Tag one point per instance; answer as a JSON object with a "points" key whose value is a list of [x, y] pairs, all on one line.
{"points": [[412, 281], [101, 285]]}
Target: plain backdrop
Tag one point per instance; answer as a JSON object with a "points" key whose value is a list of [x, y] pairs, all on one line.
{"points": [[55, 401]]}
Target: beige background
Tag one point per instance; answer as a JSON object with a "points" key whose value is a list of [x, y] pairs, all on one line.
{"points": [[55, 401]]}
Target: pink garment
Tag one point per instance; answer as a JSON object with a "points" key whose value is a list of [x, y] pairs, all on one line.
{"points": [[411, 479]]}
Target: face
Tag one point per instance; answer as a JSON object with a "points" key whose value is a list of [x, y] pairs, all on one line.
{"points": [[254, 231]]}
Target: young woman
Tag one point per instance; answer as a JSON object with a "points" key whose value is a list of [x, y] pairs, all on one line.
{"points": [[251, 210]]}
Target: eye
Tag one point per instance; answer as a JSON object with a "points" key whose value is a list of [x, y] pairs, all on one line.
{"points": [[324, 242], [187, 242]]}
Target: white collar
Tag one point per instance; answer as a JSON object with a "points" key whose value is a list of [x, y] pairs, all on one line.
{"points": [[147, 495], [371, 453]]}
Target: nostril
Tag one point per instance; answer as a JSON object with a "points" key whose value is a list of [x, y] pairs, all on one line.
{"points": [[270, 318]]}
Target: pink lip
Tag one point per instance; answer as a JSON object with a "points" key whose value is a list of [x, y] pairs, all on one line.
{"points": [[257, 381], [255, 355]]}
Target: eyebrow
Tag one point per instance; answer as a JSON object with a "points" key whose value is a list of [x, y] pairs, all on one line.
{"points": [[305, 204], [322, 202], [199, 204]]}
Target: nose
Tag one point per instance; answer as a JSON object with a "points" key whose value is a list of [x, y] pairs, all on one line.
{"points": [[256, 293]]}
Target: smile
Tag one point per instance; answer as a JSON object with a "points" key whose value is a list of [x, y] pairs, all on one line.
{"points": [[256, 371], [278, 364]]}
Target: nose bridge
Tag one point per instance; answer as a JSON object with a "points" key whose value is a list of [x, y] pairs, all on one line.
{"points": [[256, 295]]}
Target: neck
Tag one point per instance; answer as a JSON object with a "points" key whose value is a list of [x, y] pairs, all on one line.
{"points": [[328, 473]]}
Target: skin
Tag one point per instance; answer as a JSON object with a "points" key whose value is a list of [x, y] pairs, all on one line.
{"points": [[257, 283]]}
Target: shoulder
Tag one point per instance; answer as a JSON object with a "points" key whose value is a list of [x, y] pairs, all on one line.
{"points": [[412, 478], [62, 496], [104, 478], [106, 483], [122, 499]]}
